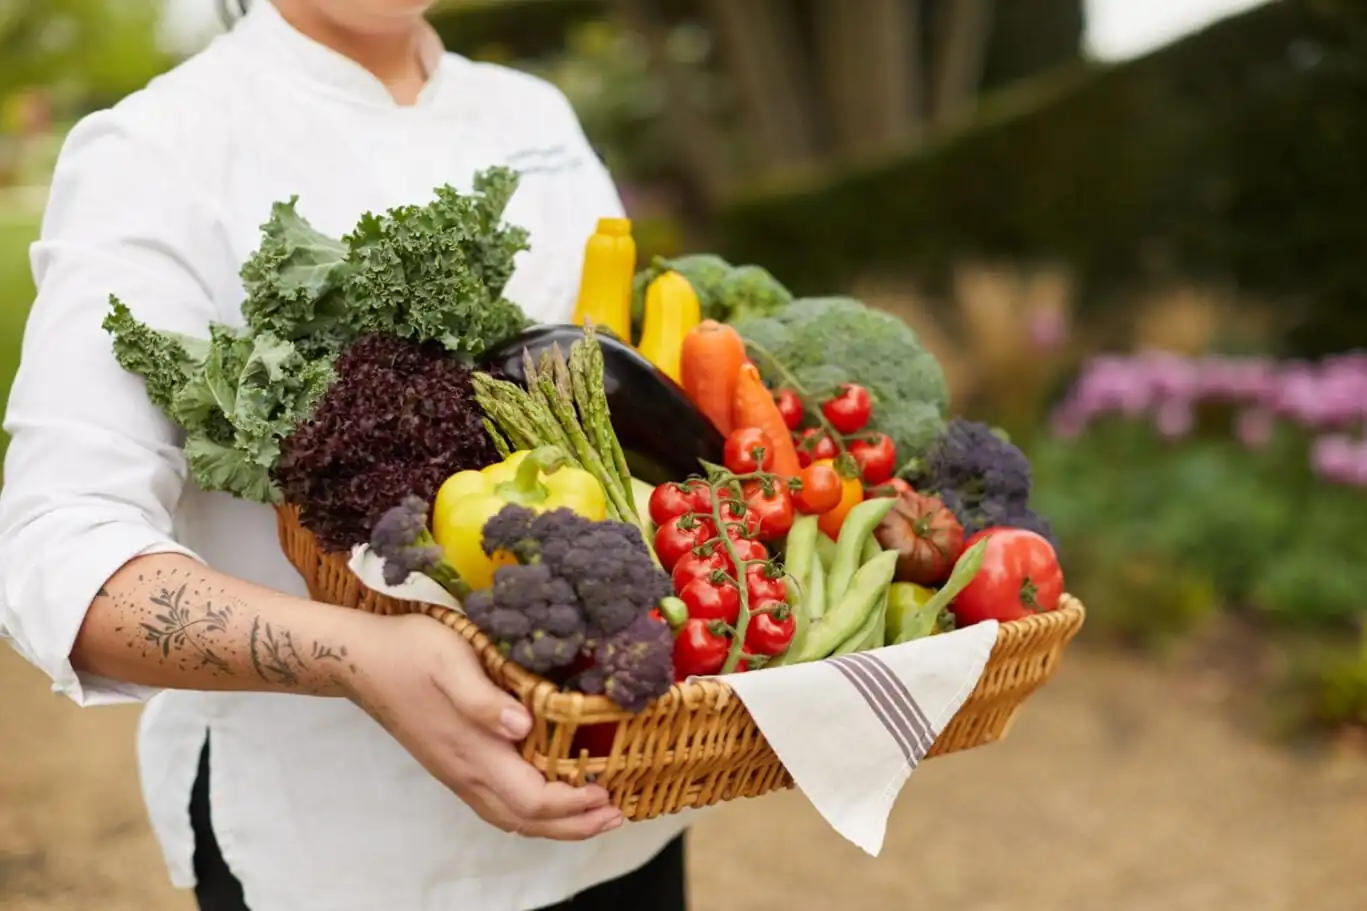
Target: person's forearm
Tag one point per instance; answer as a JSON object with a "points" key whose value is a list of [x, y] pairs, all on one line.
{"points": [[168, 621]]}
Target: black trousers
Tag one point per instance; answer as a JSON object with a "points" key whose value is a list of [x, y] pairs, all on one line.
{"points": [[658, 886]]}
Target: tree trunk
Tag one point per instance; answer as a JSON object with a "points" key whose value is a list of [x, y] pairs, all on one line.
{"points": [[869, 61], [962, 29], [702, 147], [762, 50]]}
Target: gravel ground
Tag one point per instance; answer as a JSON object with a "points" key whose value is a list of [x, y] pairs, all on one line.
{"points": [[1123, 787]]}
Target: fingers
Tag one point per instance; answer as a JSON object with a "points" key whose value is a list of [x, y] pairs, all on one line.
{"points": [[461, 677], [516, 798], [578, 828]]}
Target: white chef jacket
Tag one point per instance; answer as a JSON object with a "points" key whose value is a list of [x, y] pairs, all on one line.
{"points": [[158, 201]]}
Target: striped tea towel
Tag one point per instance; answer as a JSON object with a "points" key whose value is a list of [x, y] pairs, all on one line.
{"points": [[852, 729]]}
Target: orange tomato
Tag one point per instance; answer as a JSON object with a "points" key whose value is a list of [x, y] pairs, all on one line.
{"points": [[851, 494]]}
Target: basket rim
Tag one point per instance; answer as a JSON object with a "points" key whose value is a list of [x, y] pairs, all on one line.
{"points": [[1059, 625]]}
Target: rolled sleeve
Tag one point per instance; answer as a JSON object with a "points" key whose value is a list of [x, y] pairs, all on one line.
{"points": [[94, 471]]}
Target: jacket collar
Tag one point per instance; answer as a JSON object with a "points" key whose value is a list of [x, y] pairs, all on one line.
{"points": [[267, 34]]}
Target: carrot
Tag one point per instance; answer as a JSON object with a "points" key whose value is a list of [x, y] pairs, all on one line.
{"points": [[755, 407], [711, 360]]}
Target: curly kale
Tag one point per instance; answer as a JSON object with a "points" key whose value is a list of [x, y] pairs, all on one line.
{"points": [[634, 666], [236, 396], [981, 477], [434, 272], [832, 340], [578, 585]]}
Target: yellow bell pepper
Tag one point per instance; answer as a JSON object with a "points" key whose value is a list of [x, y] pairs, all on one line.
{"points": [[539, 479], [605, 283], [672, 311]]}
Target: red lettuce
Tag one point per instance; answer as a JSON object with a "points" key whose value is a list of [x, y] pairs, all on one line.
{"points": [[399, 419]]}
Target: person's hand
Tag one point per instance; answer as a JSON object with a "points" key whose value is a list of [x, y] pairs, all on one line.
{"points": [[426, 686]]}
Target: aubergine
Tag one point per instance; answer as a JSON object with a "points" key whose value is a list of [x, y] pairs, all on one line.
{"points": [[663, 434]]}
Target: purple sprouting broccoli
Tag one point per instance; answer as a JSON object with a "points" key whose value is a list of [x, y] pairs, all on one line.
{"points": [[982, 478], [401, 538], [634, 666], [532, 615], [607, 563], [579, 586]]}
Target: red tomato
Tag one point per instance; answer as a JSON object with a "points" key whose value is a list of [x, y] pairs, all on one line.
{"points": [[762, 585], [817, 445], [747, 451], [774, 510], [790, 406], [740, 520], [766, 633], [698, 650], [849, 411], [702, 497], [748, 549], [670, 500], [820, 491], [707, 600], [877, 458], [1020, 576], [700, 566], [677, 537]]}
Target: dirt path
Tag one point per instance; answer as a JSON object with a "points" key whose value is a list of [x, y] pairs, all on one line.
{"points": [[1119, 790]]}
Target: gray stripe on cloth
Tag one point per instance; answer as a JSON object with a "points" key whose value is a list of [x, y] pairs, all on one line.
{"points": [[903, 698], [891, 703], [879, 703]]}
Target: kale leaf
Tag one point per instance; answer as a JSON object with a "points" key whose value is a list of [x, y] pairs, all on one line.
{"points": [[434, 272], [236, 396], [424, 274]]}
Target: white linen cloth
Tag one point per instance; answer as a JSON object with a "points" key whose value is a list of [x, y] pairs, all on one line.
{"points": [[850, 730], [159, 200]]}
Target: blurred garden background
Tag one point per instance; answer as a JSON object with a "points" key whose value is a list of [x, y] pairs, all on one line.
{"points": [[1133, 239]]}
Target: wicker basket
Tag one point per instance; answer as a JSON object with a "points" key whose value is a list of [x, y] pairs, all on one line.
{"points": [[697, 745]]}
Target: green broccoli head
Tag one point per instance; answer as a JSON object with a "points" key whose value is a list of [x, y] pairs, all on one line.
{"points": [[831, 340], [751, 291]]}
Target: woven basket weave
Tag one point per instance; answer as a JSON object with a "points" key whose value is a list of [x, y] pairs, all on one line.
{"points": [[696, 745]]}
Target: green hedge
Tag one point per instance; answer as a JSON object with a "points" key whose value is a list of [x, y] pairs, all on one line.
{"points": [[1237, 155]]}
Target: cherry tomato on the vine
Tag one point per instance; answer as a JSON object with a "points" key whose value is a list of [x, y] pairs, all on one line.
{"points": [[790, 407], [816, 445], [820, 491], [748, 450], [849, 411], [740, 520], [761, 585], [708, 600], [699, 650], [670, 500], [748, 549], [774, 509], [766, 633], [700, 566], [701, 494], [877, 458], [677, 537]]}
